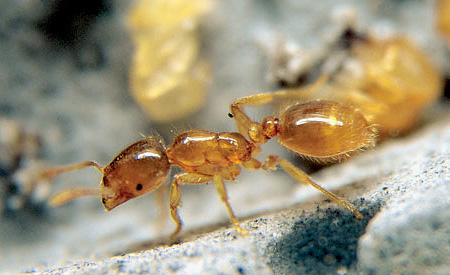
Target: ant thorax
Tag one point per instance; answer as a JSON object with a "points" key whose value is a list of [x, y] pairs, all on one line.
{"points": [[204, 151]]}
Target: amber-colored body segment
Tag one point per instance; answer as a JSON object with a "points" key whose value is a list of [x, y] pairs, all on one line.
{"points": [[324, 130], [205, 152], [137, 170]]}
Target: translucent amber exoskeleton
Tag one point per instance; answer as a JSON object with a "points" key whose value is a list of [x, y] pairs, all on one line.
{"points": [[137, 170], [167, 79], [325, 130]]}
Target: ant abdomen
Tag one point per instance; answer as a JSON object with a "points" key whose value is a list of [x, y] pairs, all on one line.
{"points": [[325, 130]]}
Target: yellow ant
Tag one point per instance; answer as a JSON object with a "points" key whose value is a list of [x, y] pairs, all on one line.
{"points": [[315, 129], [396, 83]]}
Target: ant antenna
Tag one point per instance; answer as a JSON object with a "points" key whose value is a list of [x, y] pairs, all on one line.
{"points": [[69, 195], [74, 193], [51, 173]]}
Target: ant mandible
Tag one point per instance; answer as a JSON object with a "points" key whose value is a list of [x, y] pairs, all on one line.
{"points": [[322, 130]]}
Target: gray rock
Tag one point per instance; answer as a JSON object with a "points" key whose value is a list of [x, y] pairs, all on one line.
{"points": [[411, 235], [199, 257]]}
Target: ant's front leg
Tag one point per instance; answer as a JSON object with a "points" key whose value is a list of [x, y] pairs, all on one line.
{"points": [[194, 178], [175, 195], [296, 173]]}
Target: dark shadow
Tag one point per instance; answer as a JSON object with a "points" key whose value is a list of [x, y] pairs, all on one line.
{"points": [[69, 21], [447, 87], [321, 242]]}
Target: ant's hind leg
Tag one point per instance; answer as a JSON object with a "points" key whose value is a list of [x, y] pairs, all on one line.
{"points": [[175, 195], [244, 123], [272, 161], [221, 189]]}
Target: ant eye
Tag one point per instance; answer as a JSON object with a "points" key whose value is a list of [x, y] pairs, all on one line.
{"points": [[139, 187]]}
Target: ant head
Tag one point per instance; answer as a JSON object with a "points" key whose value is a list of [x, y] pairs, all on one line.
{"points": [[137, 170]]}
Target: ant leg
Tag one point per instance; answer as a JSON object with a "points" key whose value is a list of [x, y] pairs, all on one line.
{"points": [[252, 164], [160, 194], [221, 189], [70, 194], [272, 161], [175, 195], [244, 123]]}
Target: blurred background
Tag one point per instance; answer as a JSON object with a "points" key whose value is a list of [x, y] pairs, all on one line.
{"points": [[67, 95]]}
